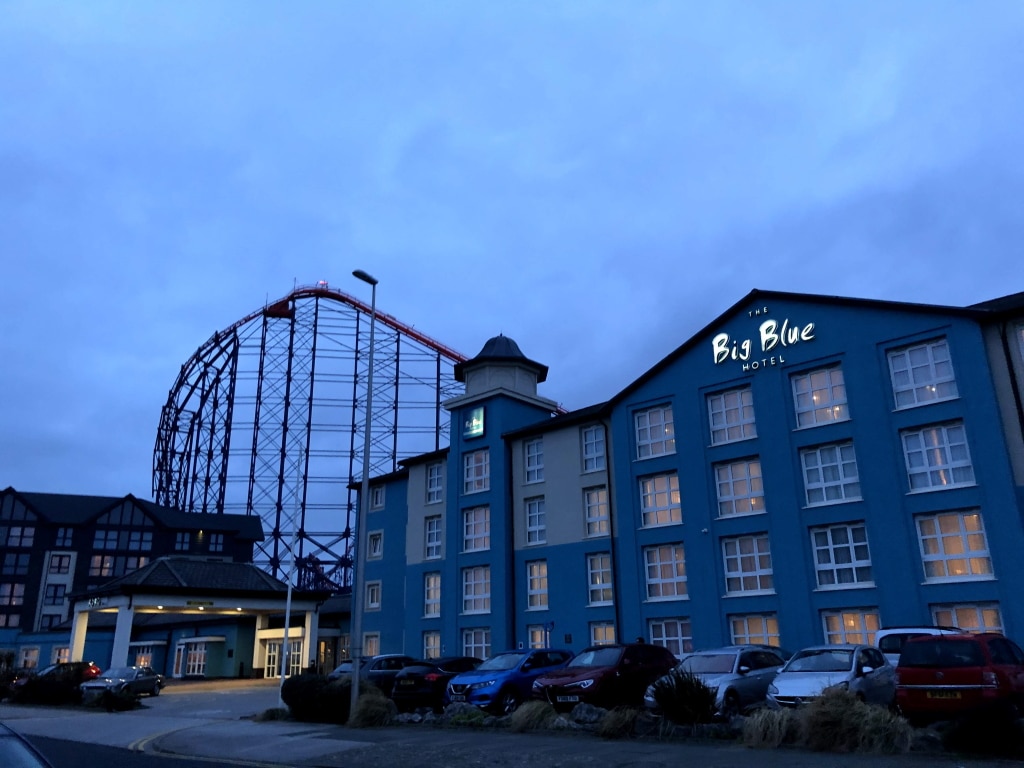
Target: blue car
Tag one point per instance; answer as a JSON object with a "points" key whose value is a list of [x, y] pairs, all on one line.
{"points": [[504, 681]]}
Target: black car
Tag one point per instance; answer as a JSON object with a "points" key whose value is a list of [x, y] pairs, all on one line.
{"points": [[56, 684], [378, 670], [422, 684], [127, 681]]}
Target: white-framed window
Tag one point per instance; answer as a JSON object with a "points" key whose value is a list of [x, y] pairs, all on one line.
{"points": [[954, 546], [536, 521], [665, 571], [476, 589], [748, 564], [62, 655], [477, 471], [740, 488], [732, 416], [655, 433], [28, 658], [830, 474], [371, 644], [937, 457], [819, 397], [602, 633], [600, 589], [536, 636], [674, 634], [435, 483], [537, 585], [841, 555], [476, 529], [755, 629], [534, 459], [659, 500], [431, 594], [476, 642], [432, 537], [431, 644], [970, 617], [373, 595], [852, 625], [595, 505], [375, 545], [922, 373], [182, 541], [143, 655], [55, 594], [377, 497], [592, 439], [60, 563]]}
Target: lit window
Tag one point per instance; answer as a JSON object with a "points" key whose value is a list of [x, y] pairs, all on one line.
{"points": [[536, 521], [922, 374], [593, 448], [432, 537], [954, 546], [665, 572], [820, 397], [377, 497], [537, 636], [477, 475], [599, 578], [755, 629], [476, 642], [841, 556], [602, 633], [748, 564], [375, 545], [476, 589], [537, 585], [851, 626], [534, 450], [432, 644], [476, 529], [434, 483], [373, 595], [432, 594], [595, 502], [732, 416], [659, 500], [937, 457], [970, 617], [674, 634], [740, 488], [830, 474], [655, 434], [371, 644]]}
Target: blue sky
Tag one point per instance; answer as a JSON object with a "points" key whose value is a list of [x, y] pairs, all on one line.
{"points": [[597, 180]]}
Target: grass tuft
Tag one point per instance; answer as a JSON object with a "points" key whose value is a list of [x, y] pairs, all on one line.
{"points": [[532, 716], [617, 723]]}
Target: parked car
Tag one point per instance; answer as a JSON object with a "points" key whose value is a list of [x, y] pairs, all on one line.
{"points": [[55, 684], [502, 682], [379, 670], [423, 683], [605, 676], [17, 752], [860, 669], [9, 679], [944, 676], [133, 681], [738, 674], [890, 640]]}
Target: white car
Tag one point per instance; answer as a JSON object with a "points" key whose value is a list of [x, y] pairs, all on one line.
{"points": [[861, 669], [891, 639]]}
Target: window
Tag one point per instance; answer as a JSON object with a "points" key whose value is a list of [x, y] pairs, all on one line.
{"points": [[373, 595], [659, 500], [182, 541], [937, 457], [140, 541], [377, 497], [536, 521], [602, 633], [12, 594], [970, 617], [476, 589], [371, 643], [60, 564], [101, 565], [216, 542], [64, 536], [922, 374], [954, 546], [830, 474], [477, 476], [20, 536], [600, 590], [54, 594], [732, 416], [537, 585], [10, 620], [28, 658], [536, 636], [62, 655], [50, 620], [655, 434], [476, 529], [819, 397], [851, 626], [534, 460], [104, 538], [432, 594], [593, 448], [16, 564], [748, 564], [375, 545], [666, 571], [674, 634], [595, 503], [476, 642], [432, 537], [740, 489], [143, 655], [432, 644], [434, 483], [755, 629], [841, 556]]}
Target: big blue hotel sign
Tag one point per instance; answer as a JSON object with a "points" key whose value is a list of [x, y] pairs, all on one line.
{"points": [[765, 350], [473, 423]]}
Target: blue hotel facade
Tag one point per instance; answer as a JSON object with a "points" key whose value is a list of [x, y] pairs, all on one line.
{"points": [[804, 469]]}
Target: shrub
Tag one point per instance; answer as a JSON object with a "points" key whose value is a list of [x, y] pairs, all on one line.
{"points": [[617, 723], [275, 713], [684, 698], [467, 715], [993, 731], [373, 710], [532, 716], [315, 699], [770, 728], [837, 721]]}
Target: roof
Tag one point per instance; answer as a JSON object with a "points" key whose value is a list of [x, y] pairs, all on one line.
{"points": [[500, 349], [566, 419]]}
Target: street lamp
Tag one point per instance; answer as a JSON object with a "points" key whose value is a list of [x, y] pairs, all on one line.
{"points": [[356, 625]]}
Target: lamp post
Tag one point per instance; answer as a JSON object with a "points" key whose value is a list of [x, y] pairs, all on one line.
{"points": [[356, 624]]}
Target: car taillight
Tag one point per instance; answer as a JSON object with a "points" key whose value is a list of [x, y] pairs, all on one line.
{"points": [[988, 677], [432, 677]]}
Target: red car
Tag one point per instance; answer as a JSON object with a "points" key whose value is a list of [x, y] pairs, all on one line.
{"points": [[944, 676]]}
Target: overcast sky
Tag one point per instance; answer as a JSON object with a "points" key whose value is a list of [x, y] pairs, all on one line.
{"points": [[596, 180]]}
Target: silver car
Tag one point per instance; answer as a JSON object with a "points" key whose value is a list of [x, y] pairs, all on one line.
{"points": [[738, 674], [861, 669]]}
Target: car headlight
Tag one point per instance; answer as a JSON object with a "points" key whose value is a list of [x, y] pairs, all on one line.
{"points": [[537, 685], [477, 686], [773, 689], [581, 683]]}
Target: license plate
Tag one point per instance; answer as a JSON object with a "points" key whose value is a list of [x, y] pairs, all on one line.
{"points": [[406, 682], [457, 697], [942, 695], [567, 699]]}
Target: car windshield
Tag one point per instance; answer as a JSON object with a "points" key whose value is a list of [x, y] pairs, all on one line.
{"points": [[502, 661], [712, 663], [942, 653], [597, 657], [48, 670], [821, 660], [118, 672]]}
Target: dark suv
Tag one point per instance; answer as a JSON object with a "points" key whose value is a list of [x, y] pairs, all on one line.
{"points": [[56, 684], [605, 676], [944, 676]]}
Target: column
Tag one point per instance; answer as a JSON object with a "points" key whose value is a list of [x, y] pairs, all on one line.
{"points": [[122, 636]]}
